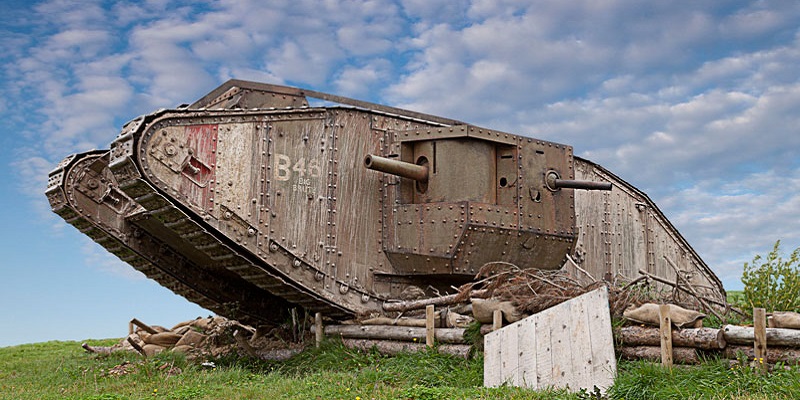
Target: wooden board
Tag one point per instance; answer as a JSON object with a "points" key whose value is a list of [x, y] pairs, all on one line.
{"points": [[566, 346]]}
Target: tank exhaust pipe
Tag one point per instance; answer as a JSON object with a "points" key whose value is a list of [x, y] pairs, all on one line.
{"points": [[554, 182], [404, 169]]}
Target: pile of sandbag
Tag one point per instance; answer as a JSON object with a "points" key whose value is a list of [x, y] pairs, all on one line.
{"points": [[202, 336]]}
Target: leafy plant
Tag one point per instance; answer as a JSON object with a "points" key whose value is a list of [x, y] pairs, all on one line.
{"points": [[773, 282]]}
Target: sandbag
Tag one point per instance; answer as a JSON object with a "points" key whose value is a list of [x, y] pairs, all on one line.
{"points": [[648, 314], [182, 330], [185, 349], [165, 339], [204, 324], [152, 349], [483, 310], [182, 324], [191, 338], [784, 319], [456, 320]]}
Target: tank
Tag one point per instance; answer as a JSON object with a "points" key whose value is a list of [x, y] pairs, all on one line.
{"points": [[258, 198]]}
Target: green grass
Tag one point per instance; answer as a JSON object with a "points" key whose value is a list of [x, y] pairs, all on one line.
{"points": [[62, 370]]}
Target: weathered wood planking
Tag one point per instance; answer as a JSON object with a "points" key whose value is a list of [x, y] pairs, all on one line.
{"points": [[566, 346]]}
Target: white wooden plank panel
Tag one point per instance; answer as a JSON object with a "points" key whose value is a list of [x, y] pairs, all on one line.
{"points": [[526, 344], [580, 336], [491, 359]]}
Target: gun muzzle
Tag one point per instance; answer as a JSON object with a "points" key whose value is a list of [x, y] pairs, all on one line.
{"points": [[554, 182], [404, 169]]}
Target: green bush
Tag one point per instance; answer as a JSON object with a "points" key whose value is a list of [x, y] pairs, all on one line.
{"points": [[773, 282]]}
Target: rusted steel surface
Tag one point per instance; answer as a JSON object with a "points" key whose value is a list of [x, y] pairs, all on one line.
{"points": [[253, 188], [623, 231], [117, 223]]}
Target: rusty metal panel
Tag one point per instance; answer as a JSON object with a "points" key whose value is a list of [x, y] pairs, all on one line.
{"points": [[299, 161], [624, 232], [356, 247], [457, 132], [185, 158], [540, 208], [459, 170], [507, 179], [237, 182]]}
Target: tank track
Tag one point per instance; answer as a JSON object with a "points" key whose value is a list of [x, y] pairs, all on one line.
{"points": [[133, 244], [127, 168]]}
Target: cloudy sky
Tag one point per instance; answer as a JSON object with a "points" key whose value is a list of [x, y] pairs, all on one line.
{"points": [[696, 103]]}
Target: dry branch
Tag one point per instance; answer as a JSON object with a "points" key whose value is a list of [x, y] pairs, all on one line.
{"points": [[435, 301]]}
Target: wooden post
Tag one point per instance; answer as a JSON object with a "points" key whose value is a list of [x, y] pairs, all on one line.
{"points": [[497, 320], [760, 333], [318, 332], [666, 335], [429, 329], [145, 327]]}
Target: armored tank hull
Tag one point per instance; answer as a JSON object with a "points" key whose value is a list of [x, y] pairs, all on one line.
{"points": [[251, 201]]}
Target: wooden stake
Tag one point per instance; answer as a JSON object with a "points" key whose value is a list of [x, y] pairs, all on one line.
{"points": [[144, 326], [318, 332], [244, 344], [666, 335], [136, 346], [760, 333], [429, 329], [497, 320]]}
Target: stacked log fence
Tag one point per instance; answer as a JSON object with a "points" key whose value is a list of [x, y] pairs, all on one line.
{"points": [[692, 345]]}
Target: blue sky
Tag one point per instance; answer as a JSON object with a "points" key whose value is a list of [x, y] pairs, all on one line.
{"points": [[696, 103]]}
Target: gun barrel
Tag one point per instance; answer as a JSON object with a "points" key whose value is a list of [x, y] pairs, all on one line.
{"points": [[400, 168], [586, 185], [554, 182]]}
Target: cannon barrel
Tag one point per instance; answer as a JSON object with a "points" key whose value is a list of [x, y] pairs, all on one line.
{"points": [[416, 172], [553, 182], [587, 185]]}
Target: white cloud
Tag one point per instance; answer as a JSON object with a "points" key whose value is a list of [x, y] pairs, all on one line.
{"points": [[688, 103], [99, 259]]}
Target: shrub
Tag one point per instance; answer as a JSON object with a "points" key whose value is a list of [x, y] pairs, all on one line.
{"points": [[773, 282]]}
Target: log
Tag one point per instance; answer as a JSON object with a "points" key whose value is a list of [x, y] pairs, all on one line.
{"points": [[392, 347], [775, 336], [402, 333], [786, 355], [681, 355], [435, 301], [97, 349], [700, 338]]}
